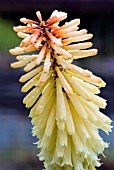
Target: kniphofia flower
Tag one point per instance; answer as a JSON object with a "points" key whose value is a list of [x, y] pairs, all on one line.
{"points": [[63, 98]]}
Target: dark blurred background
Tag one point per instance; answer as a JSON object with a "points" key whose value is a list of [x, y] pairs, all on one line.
{"points": [[17, 151]]}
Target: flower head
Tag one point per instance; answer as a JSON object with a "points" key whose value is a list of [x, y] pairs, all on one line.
{"points": [[64, 97]]}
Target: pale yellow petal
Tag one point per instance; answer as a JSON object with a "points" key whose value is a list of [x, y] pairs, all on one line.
{"points": [[30, 66], [49, 92], [63, 62], [51, 122], [60, 101], [74, 33], [21, 50], [41, 120], [86, 85], [41, 55], [20, 63], [87, 76], [31, 97], [69, 121], [67, 158], [25, 41], [24, 57], [64, 82], [77, 39], [30, 83], [62, 137], [79, 124], [75, 22], [79, 71], [47, 62], [78, 106], [60, 50], [22, 34], [30, 74], [83, 53]]}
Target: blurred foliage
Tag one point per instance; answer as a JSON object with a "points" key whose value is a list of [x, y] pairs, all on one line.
{"points": [[8, 38]]}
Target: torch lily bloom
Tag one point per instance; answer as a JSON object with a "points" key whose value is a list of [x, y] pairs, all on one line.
{"points": [[63, 97]]}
